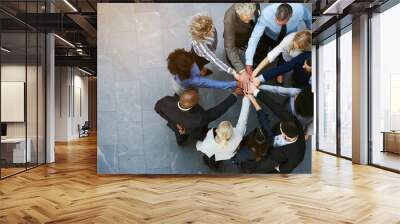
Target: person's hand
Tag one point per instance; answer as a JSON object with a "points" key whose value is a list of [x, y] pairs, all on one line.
{"points": [[249, 69], [256, 81], [244, 82], [244, 72], [205, 71], [251, 89], [236, 76], [181, 129], [238, 92], [279, 79]]}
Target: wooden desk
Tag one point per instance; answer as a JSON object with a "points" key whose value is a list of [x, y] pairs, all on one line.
{"points": [[391, 141], [13, 150]]}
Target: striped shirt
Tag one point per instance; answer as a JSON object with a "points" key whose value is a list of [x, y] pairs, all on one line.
{"points": [[206, 49]]}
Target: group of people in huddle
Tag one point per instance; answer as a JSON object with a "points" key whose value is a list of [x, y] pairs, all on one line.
{"points": [[277, 33]]}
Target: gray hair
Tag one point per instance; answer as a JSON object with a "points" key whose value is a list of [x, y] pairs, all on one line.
{"points": [[245, 8], [284, 12]]}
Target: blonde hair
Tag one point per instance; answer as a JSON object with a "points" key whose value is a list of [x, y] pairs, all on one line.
{"points": [[224, 131], [303, 40], [200, 27], [245, 8]]}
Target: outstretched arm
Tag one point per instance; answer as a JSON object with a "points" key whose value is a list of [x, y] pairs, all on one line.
{"points": [[260, 66], [210, 55], [274, 53], [283, 91], [244, 114], [276, 108], [210, 83], [307, 17], [286, 67], [262, 117], [253, 41], [231, 50], [217, 111]]}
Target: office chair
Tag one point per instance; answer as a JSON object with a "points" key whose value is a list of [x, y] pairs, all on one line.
{"points": [[84, 130]]}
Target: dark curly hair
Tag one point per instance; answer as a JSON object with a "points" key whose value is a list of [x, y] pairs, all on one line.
{"points": [[304, 102], [180, 63]]}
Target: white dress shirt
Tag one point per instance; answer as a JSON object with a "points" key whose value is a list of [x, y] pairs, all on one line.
{"points": [[226, 151], [286, 48]]}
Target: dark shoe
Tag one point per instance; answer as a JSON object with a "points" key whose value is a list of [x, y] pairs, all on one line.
{"points": [[181, 139]]}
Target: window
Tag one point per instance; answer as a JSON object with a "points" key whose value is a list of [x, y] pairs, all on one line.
{"points": [[346, 92], [385, 89], [327, 95]]}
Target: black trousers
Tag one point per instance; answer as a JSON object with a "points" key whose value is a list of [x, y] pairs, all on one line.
{"points": [[181, 139], [266, 165], [210, 162]]}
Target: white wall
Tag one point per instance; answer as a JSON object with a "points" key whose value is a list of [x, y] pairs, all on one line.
{"points": [[69, 81], [12, 73]]}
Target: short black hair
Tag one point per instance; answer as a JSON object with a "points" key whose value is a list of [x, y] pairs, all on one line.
{"points": [[258, 141], [290, 129], [308, 61], [284, 12], [304, 102], [180, 63]]}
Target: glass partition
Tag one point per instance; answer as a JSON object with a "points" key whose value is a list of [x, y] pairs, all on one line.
{"points": [[385, 89], [346, 92], [23, 91], [32, 95], [41, 87], [327, 95], [14, 153]]}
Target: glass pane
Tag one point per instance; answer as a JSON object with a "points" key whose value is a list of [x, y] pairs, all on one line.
{"points": [[346, 94], [41, 98], [13, 86], [32, 95], [385, 89], [327, 96]]}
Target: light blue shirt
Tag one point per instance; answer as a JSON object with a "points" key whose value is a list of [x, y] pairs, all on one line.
{"points": [[267, 24], [279, 141], [196, 80]]}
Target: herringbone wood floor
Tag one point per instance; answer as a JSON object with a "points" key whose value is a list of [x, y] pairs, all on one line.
{"points": [[70, 191]]}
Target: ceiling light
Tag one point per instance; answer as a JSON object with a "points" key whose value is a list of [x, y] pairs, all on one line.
{"points": [[84, 71], [338, 6], [5, 50], [70, 5], [65, 41]]}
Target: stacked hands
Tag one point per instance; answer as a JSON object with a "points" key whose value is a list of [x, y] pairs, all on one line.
{"points": [[247, 81]]}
